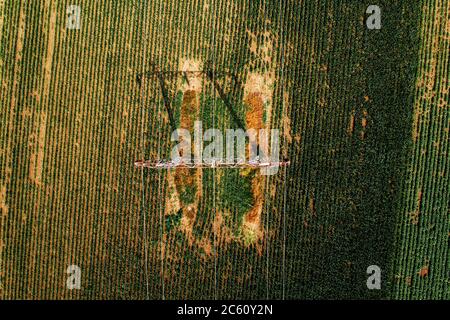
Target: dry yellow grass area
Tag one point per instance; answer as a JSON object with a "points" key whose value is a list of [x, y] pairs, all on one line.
{"points": [[258, 99]]}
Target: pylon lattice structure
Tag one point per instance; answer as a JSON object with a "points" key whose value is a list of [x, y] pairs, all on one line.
{"points": [[162, 164]]}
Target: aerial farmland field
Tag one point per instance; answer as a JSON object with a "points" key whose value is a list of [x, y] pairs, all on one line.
{"points": [[93, 206]]}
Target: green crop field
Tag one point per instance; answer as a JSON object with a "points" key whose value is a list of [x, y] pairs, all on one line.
{"points": [[422, 259], [363, 117]]}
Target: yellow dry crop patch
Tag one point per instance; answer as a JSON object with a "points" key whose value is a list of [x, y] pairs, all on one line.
{"points": [[426, 89], [181, 180], [258, 92], [287, 129], [37, 159], [3, 205]]}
